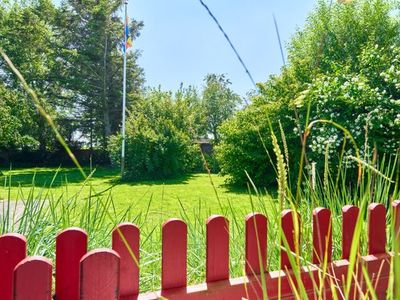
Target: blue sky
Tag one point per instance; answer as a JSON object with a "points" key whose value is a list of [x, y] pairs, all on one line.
{"points": [[180, 42]]}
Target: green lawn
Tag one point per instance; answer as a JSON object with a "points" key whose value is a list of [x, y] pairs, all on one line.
{"points": [[163, 199]]}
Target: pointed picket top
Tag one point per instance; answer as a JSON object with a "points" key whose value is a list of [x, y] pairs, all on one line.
{"points": [[322, 235], [125, 241], [33, 279], [349, 221], [288, 220], [376, 228], [71, 246], [174, 254], [12, 252], [217, 252], [256, 243], [99, 275]]}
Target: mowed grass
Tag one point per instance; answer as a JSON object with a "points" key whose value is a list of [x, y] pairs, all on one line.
{"points": [[161, 199]]}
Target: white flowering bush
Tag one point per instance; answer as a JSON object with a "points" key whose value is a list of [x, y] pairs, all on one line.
{"points": [[369, 113]]}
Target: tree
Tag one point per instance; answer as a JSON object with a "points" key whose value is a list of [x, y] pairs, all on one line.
{"points": [[27, 38], [343, 65], [219, 103], [91, 34]]}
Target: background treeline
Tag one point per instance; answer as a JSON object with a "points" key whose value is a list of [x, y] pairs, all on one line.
{"points": [[343, 66], [71, 55]]}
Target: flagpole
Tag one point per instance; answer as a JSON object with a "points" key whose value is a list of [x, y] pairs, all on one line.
{"points": [[124, 95]]}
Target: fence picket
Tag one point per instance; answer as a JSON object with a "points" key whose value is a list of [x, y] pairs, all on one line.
{"points": [[289, 219], [396, 217], [322, 235], [217, 252], [71, 246], [12, 251], [256, 243], [174, 254], [99, 275], [376, 228], [125, 241], [349, 221], [33, 279]]}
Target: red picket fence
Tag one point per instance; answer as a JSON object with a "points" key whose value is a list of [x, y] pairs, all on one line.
{"points": [[114, 274]]}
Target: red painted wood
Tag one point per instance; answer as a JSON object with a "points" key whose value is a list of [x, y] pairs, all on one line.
{"points": [[71, 246], [376, 228], [322, 235], [12, 251], [217, 252], [125, 241], [174, 254], [33, 279], [256, 243], [289, 220], [396, 217], [349, 221], [99, 275]]}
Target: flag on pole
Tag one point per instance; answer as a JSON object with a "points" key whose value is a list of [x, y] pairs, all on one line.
{"points": [[128, 40]]}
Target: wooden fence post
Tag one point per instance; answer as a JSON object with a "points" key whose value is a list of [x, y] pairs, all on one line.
{"points": [[71, 246], [33, 279], [125, 241], [322, 235], [174, 254], [256, 243], [99, 275], [288, 223], [376, 228], [217, 253], [349, 221], [12, 251]]}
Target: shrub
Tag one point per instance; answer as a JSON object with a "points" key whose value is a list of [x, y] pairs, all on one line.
{"points": [[337, 71], [158, 141]]}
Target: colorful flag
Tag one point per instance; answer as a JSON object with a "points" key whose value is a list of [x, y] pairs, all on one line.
{"points": [[128, 43]]}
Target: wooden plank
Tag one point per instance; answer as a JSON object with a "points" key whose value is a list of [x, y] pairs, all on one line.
{"points": [[125, 241], [99, 275], [217, 253], [174, 254], [12, 251], [256, 244], [349, 221], [33, 279], [396, 217], [71, 246], [376, 228], [322, 235], [288, 221]]}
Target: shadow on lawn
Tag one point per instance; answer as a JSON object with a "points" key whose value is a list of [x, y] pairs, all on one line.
{"points": [[181, 179], [43, 177]]}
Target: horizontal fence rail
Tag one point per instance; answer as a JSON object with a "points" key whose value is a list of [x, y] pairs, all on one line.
{"points": [[114, 273]]}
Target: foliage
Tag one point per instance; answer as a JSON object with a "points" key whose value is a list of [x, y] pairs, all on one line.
{"points": [[246, 145], [343, 66], [219, 103], [90, 56], [15, 121], [26, 36], [71, 56], [160, 136]]}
